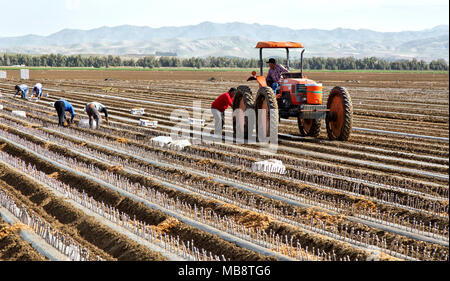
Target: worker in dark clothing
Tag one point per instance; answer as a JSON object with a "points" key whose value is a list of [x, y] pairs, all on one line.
{"points": [[61, 107], [93, 110], [218, 108]]}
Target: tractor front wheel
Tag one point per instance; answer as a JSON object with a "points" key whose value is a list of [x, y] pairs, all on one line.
{"points": [[339, 118], [309, 127]]}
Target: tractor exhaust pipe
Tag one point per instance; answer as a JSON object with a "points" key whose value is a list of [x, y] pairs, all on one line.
{"points": [[301, 63], [261, 62]]}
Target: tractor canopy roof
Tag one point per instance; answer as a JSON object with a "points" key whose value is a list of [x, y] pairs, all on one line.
{"points": [[272, 44]]}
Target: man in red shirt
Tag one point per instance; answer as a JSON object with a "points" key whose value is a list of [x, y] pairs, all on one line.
{"points": [[218, 108]]}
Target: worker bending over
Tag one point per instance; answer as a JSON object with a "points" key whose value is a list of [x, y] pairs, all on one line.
{"points": [[23, 89], [61, 107], [93, 110], [218, 108], [38, 89]]}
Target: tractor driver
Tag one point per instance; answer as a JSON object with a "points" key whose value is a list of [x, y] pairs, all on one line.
{"points": [[274, 76]]}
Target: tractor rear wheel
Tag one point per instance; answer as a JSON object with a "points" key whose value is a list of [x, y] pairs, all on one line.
{"points": [[243, 99], [309, 127], [266, 108], [339, 118]]}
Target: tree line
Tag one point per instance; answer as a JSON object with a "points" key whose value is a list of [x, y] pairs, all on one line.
{"points": [[317, 63]]}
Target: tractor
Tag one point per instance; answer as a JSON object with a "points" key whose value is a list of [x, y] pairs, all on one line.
{"points": [[297, 96]]}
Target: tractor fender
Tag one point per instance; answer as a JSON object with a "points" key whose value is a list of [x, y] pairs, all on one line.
{"points": [[261, 81]]}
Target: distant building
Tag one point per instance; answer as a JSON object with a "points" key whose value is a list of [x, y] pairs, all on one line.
{"points": [[165, 54]]}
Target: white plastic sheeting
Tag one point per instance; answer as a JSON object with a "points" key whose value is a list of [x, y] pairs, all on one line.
{"points": [[269, 166]]}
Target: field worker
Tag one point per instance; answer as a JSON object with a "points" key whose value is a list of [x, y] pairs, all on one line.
{"points": [[61, 107], [38, 89], [93, 110], [22, 89], [274, 76], [218, 108]]}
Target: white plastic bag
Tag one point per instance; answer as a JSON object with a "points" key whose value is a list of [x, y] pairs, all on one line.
{"points": [[269, 166], [137, 111], [19, 113], [84, 123], [161, 140], [180, 144], [148, 123]]}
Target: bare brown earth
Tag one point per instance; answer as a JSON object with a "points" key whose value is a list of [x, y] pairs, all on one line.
{"points": [[393, 79], [400, 102]]}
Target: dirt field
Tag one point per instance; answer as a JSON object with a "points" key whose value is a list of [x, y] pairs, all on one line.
{"points": [[404, 79], [387, 187]]}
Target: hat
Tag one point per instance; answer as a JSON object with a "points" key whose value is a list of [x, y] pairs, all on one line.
{"points": [[271, 60]]}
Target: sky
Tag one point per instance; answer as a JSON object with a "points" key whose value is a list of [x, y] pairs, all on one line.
{"points": [[44, 17]]}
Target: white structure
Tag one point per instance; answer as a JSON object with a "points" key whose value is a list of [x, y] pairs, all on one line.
{"points": [[2, 74], [1, 107], [25, 74], [270, 166], [84, 123], [19, 113], [148, 123], [194, 121], [137, 111]]}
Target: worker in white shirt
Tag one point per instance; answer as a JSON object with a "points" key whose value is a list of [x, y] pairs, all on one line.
{"points": [[38, 89]]}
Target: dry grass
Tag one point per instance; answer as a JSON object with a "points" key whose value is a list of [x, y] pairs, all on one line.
{"points": [[7, 229], [121, 140], [166, 225], [365, 204], [54, 175], [113, 169], [254, 220]]}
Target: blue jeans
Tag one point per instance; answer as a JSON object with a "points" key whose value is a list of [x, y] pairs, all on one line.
{"points": [[24, 94], [38, 93], [275, 86]]}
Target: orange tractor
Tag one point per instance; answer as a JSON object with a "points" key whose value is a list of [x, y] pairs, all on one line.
{"points": [[298, 97]]}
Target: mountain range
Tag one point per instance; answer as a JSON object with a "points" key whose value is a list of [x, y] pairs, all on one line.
{"points": [[234, 39]]}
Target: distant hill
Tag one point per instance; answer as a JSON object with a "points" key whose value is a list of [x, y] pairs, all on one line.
{"points": [[234, 39]]}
